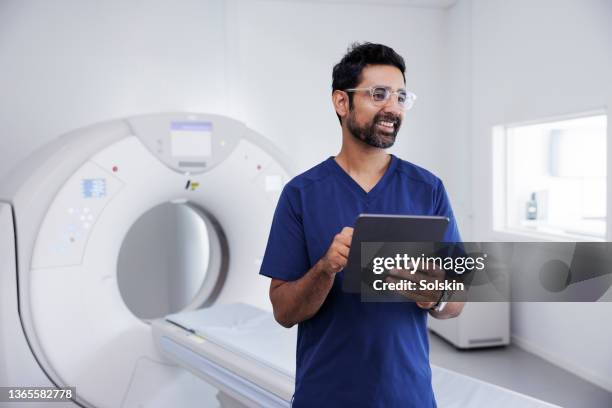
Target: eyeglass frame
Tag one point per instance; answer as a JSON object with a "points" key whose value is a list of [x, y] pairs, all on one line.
{"points": [[409, 95]]}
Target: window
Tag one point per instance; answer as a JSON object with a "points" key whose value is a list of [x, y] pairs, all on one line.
{"points": [[551, 177]]}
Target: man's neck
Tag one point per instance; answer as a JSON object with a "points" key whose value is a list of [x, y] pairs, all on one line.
{"points": [[359, 159]]}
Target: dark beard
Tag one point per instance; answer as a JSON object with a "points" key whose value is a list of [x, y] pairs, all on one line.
{"points": [[370, 135]]}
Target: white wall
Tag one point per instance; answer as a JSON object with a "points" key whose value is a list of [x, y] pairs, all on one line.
{"points": [[456, 145], [531, 60], [284, 51], [70, 63]]}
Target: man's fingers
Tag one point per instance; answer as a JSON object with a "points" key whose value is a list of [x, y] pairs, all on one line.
{"points": [[345, 236], [425, 305], [339, 261], [434, 273], [347, 231], [340, 248], [402, 273], [418, 295], [344, 239], [343, 250]]}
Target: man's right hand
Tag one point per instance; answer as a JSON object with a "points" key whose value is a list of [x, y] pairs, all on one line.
{"points": [[295, 301], [337, 255]]}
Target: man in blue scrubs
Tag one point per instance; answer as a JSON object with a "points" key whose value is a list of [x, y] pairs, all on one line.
{"points": [[349, 353]]}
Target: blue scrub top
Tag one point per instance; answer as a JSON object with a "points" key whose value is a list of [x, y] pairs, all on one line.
{"points": [[352, 353]]}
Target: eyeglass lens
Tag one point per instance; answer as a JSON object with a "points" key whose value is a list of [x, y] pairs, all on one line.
{"points": [[381, 94]]}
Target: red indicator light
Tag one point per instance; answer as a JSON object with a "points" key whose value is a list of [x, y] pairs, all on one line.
{"points": [[259, 167], [115, 169]]}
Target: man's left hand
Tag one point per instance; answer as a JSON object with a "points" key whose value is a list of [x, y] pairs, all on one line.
{"points": [[425, 299]]}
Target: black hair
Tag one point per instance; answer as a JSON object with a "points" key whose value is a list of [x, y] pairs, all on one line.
{"points": [[347, 73]]}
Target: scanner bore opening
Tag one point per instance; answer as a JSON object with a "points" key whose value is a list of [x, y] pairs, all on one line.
{"points": [[173, 258]]}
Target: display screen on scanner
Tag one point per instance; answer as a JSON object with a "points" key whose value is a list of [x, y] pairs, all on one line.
{"points": [[191, 139]]}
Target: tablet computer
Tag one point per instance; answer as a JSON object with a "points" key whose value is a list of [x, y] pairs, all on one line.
{"points": [[388, 228]]}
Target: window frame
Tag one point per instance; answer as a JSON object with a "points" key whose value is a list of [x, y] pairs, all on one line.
{"points": [[499, 227]]}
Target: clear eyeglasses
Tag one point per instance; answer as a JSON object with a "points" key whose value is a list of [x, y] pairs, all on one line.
{"points": [[381, 94]]}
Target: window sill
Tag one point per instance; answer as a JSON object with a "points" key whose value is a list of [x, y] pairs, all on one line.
{"points": [[525, 235]]}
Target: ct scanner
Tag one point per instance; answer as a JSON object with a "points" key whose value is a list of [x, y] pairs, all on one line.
{"points": [[64, 320], [70, 205]]}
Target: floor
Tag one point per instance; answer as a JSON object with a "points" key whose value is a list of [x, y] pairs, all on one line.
{"points": [[513, 368]]}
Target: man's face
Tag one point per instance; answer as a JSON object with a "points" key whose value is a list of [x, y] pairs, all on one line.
{"points": [[376, 124]]}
